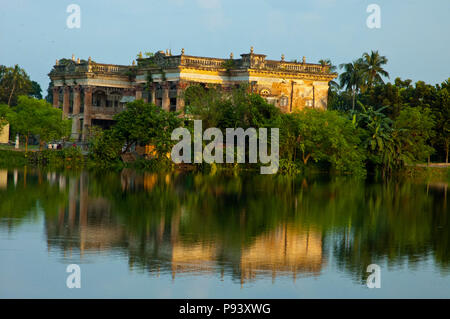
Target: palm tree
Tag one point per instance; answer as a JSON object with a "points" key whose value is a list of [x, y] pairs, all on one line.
{"points": [[331, 69], [352, 77], [372, 68], [17, 80]]}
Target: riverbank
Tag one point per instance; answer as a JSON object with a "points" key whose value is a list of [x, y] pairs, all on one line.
{"points": [[72, 158]]}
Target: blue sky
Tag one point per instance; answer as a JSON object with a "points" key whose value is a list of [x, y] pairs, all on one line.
{"points": [[414, 34]]}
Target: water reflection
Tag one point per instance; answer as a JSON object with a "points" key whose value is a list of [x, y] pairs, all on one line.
{"points": [[245, 227]]}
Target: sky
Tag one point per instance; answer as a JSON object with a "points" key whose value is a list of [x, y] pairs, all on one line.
{"points": [[413, 35]]}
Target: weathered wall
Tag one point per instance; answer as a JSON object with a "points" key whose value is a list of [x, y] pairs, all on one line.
{"points": [[4, 134], [304, 93]]}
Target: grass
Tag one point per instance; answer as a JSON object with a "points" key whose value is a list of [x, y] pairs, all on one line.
{"points": [[8, 147]]}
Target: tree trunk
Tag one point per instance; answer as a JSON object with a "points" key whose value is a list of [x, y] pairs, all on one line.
{"points": [[353, 102], [11, 94], [446, 153], [305, 159], [26, 143]]}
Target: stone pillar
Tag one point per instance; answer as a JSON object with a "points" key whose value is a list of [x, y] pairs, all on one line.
{"points": [[181, 86], [73, 195], [139, 92], [165, 97], [87, 111], [66, 101], [76, 100], [56, 96], [76, 112], [152, 98]]}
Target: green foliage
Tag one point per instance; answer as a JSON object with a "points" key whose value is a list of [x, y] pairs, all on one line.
{"points": [[10, 158], [140, 124], [363, 82], [4, 110], [104, 148], [309, 134], [363, 73], [14, 81], [413, 129], [325, 136], [36, 90], [70, 157], [145, 123], [288, 167], [393, 144], [237, 108], [37, 117]]}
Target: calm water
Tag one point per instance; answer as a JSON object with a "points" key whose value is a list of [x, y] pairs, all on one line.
{"points": [[188, 235]]}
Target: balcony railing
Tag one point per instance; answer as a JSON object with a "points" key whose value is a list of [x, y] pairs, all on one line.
{"points": [[107, 110], [202, 62]]}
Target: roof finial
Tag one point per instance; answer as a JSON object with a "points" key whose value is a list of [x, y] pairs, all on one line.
{"points": [[57, 62], [73, 57], [89, 60], [140, 54], [231, 56], [251, 50], [282, 57], [182, 51], [134, 63], [304, 60], [78, 61]]}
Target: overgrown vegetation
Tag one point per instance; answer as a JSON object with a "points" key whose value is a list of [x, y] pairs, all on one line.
{"points": [[370, 125]]}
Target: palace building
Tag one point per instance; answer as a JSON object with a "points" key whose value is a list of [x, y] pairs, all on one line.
{"points": [[92, 93]]}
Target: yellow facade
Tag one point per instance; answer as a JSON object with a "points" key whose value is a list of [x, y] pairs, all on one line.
{"points": [[4, 134]]}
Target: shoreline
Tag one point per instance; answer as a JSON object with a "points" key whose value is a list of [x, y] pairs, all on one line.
{"points": [[12, 158]]}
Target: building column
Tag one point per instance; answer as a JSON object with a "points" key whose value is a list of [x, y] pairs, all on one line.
{"points": [[87, 111], [66, 101], [165, 97], [56, 96], [76, 112], [181, 87], [139, 92], [152, 98]]}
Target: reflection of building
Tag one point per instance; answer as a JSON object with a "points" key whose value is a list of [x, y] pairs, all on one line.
{"points": [[193, 258], [287, 250], [92, 93], [158, 242], [85, 223], [3, 178]]}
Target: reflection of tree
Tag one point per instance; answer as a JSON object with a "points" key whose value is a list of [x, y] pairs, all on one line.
{"points": [[239, 225], [25, 191]]}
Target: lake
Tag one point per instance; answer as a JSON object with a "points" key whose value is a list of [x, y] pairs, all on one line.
{"points": [[191, 235]]}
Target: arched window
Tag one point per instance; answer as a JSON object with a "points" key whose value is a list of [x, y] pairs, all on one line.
{"points": [[264, 92]]}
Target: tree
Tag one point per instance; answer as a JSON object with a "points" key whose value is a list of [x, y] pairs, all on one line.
{"points": [[51, 124], [326, 136], [37, 117], [441, 113], [352, 78], [372, 68], [13, 82], [413, 129], [145, 123], [377, 135], [36, 90], [333, 85]]}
